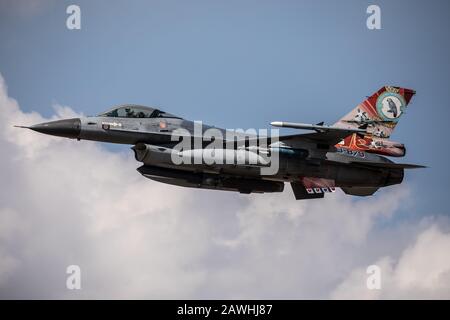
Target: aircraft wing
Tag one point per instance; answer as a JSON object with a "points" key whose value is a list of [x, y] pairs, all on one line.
{"points": [[330, 137]]}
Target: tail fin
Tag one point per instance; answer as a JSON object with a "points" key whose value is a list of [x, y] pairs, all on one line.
{"points": [[380, 112]]}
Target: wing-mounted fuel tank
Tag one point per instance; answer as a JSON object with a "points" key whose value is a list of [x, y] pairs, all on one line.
{"points": [[209, 181], [152, 154], [158, 154]]}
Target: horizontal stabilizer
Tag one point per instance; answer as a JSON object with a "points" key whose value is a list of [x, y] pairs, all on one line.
{"points": [[390, 165]]}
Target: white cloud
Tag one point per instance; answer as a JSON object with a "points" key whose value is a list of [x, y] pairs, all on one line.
{"points": [[65, 202], [421, 272]]}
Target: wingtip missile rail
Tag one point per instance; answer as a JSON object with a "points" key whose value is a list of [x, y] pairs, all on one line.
{"points": [[317, 127]]}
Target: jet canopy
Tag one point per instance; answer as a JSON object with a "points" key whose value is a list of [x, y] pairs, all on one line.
{"points": [[136, 111]]}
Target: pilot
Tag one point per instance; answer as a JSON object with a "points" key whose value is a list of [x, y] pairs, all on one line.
{"points": [[130, 113]]}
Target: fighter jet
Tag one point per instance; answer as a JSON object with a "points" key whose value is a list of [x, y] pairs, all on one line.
{"points": [[351, 154]]}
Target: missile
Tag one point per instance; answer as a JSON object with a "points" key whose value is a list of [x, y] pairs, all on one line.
{"points": [[317, 127]]}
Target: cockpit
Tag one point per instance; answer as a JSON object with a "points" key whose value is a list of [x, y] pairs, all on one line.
{"points": [[135, 111]]}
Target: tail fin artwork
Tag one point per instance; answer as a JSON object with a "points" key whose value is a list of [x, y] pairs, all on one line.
{"points": [[378, 114]]}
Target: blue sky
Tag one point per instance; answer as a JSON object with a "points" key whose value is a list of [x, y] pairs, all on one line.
{"points": [[240, 64]]}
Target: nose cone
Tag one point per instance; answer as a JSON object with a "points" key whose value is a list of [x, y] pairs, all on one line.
{"points": [[68, 128]]}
